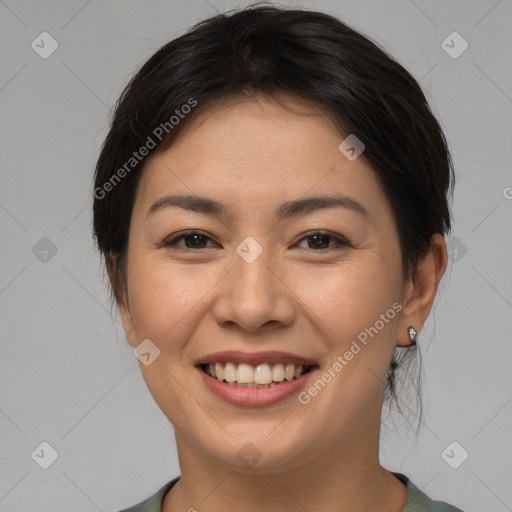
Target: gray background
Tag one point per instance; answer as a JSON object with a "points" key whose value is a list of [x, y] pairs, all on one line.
{"points": [[67, 374]]}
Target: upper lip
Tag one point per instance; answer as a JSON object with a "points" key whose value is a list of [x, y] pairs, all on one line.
{"points": [[236, 356]]}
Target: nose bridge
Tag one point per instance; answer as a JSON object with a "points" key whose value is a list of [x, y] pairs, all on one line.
{"points": [[252, 270], [253, 295], [254, 284]]}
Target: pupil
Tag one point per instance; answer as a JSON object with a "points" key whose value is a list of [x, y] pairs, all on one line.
{"points": [[318, 245], [193, 245]]}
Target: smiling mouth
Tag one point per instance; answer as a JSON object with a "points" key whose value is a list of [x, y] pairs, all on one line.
{"points": [[263, 375]]}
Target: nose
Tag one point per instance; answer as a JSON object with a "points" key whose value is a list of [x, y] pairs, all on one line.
{"points": [[254, 295]]}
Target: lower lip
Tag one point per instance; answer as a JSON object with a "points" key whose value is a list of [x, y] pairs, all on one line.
{"points": [[254, 397]]}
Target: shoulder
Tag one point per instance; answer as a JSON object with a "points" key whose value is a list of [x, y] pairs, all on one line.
{"points": [[418, 501], [154, 502]]}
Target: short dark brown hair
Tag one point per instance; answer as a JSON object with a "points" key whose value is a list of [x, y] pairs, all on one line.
{"points": [[273, 50]]}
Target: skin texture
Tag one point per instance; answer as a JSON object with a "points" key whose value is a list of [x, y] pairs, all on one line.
{"points": [[251, 155]]}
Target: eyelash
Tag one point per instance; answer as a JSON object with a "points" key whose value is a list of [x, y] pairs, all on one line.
{"points": [[338, 241]]}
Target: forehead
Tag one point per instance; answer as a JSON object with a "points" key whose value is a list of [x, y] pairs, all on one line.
{"points": [[259, 151]]}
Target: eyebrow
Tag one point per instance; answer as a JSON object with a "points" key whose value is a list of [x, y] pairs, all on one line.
{"points": [[287, 210]]}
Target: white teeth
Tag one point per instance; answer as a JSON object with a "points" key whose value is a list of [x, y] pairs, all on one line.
{"points": [[230, 372], [278, 373], [289, 371], [261, 375], [244, 374], [218, 371]]}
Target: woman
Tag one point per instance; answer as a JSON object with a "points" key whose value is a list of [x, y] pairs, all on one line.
{"points": [[271, 202]]}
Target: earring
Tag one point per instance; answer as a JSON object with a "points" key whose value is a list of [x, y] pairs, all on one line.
{"points": [[412, 336]]}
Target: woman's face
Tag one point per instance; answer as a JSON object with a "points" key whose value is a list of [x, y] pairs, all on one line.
{"points": [[257, 279]]}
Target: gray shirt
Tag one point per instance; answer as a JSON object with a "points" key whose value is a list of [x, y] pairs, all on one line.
{"points": [[417, 501]]}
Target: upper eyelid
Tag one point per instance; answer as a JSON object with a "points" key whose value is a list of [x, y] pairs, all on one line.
{"points": [[323, 232], [179, 236]]}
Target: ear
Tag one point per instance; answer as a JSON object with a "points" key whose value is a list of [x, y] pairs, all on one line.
{"points": [[123, 303], [421, 289], [126, 318]]}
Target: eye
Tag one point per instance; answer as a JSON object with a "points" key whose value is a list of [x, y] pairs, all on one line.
{"points": [[193, 240], [320, 241], [316, 240]]}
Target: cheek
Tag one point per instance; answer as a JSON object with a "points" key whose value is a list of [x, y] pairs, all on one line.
{"points": [[165, 298], [349, 297]]}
